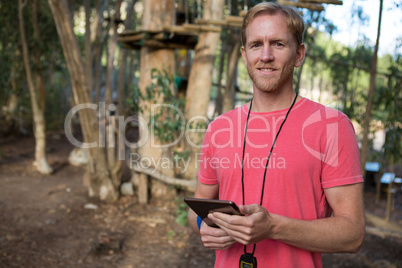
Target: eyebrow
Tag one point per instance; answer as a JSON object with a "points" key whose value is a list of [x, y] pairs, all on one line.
{"points": [[271, 41]]}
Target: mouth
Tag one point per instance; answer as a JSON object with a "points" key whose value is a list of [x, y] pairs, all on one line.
{"points": [[267, 70]]}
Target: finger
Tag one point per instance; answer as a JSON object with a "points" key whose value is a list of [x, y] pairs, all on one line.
{"points": [[219, 246], [217, 242], [207, 230], [225, 218], [235, 226], [249, 209], [231, 225], [232, 222]]}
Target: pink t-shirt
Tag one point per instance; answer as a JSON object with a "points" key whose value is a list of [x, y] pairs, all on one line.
{"points": [[316, 149]]}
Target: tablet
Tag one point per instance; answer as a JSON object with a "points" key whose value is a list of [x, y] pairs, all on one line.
{"points": [[202, 207]]}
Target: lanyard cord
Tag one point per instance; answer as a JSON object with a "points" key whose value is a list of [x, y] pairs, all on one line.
{"points": [[269, 156]]}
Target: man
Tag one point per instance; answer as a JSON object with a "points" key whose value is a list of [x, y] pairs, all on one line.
{"points": [[289, 163]]}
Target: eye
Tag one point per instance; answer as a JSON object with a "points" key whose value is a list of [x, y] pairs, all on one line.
{"points": [[279, 44]]}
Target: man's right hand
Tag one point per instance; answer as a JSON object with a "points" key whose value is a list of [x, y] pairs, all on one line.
{"points": [[215, 238], [211, 237]]}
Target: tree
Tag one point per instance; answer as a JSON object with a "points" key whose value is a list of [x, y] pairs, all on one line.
{"points": [[40, 163], [98, 42], [10, 73], [115, 165], [123, 62], [233, 45], [157, 13], [370, 95], [233, 59], [200, 80], [100, 182], [388, 100], [88, 52]]}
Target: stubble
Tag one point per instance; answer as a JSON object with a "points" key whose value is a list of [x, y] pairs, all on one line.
{"points": [[268, 83]]}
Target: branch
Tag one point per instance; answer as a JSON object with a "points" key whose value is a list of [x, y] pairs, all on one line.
{"points": [[190, 185]]}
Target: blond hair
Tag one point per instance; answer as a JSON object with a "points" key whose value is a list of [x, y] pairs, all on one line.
{"points": [[293, 19]]}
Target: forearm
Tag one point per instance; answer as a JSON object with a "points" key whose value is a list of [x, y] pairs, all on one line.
{"points": [[212, 238], [344, 232], [192, 221], [205, 191], [329, 235]]}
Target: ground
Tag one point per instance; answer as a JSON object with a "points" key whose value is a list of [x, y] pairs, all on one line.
{"points": [[49, 221]]}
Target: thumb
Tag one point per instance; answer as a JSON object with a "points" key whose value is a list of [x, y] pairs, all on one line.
{"points": [[249, 209]]}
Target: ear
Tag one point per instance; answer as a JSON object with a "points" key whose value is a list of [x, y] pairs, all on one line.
{"points": [[300, 53], [243, 55]]}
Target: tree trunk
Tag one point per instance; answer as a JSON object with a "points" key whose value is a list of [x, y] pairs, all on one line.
{"points": [[132, 65], [10, 110], [157, 13], [183, 57], [377, 190], [229, 97], [117, 167], [88, 52], [219, 91], [98, 44], [12, 102], [200, 80], [370, 95], [111, 54], [199, 84], [389, 191], [114, 164], [100, 183], [40, 163], [37, 55], [123, 63]]}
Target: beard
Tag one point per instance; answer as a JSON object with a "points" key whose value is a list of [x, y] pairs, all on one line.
{"points": [[272, 83]]}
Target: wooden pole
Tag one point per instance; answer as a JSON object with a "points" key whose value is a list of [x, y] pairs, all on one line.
{"points": [[331, 2], [315, 7]]}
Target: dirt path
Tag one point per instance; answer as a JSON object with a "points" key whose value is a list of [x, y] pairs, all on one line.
{"points": [[49, 221]]}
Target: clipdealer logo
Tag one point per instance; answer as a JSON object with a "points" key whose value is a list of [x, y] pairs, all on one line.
{"points": [[330, 156], [106, 138]]}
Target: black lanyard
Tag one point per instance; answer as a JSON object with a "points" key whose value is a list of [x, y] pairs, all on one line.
{"points": [[266, 165]]}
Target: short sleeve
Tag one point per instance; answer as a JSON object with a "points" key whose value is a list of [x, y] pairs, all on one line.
{"points": [[341, 161]]}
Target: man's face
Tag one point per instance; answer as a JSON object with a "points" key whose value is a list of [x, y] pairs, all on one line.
{"points": [[271, 53]]}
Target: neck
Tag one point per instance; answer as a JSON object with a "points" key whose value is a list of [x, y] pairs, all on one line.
{"points": [[269, 102]]}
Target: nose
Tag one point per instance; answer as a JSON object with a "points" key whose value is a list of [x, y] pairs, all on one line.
{"points": [[266, 54]]}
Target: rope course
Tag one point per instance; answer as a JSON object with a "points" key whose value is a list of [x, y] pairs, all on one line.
{"points": [[185, 36]]}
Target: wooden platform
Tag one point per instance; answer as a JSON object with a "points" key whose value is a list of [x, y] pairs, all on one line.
{"points": [[173, 37], [315, 5], [185, 36]]}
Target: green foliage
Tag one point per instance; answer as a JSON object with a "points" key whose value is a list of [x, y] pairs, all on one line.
{"points": [[133, 100], [349, 78], [181, 155], [170, 234], [9, 48], [167, 120], [393, 144], [181, 212], [389, 101], [12, 74]]}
